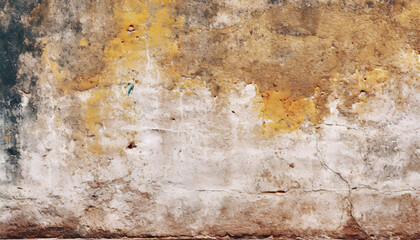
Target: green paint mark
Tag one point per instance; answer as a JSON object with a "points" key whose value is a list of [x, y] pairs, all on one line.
{"points": [[130, 90]]}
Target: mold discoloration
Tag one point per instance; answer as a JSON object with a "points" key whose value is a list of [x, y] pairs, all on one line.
{"points": [[16, 38]]}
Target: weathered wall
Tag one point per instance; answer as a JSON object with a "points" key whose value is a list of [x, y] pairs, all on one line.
{"points": [[209, 118]]}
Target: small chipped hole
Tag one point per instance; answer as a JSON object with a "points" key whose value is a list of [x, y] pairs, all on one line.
{"points": [[131, 29], [131, 145]]}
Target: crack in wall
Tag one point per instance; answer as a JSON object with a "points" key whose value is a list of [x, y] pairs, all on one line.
{"points": [[119, 173], [348, 197]]}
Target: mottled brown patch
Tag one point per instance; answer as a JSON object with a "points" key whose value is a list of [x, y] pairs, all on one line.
{"points": [[80, 51], [405, 15], [352, 230], [25, 227], [294, 47], [59, 231], [197, 13], [399, 215]]}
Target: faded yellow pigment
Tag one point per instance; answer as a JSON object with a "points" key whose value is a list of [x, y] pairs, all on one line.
{"points": [[410, 15], [83, 42], [370, 82], [362, 84], [144, 30], [282, 113], [144, 35]]}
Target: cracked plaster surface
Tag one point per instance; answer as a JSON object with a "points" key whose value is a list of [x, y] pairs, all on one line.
{"points": [[193, 119]]}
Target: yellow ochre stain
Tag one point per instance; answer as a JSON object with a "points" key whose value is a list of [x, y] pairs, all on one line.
{"points": [[144, 33], [283, 113], [144, 37], [360, 86], [370, 82], [83, 42], [359, 89], [8, 138], [189, 85]]}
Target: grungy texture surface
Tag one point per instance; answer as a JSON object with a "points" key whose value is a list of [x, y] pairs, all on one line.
{"points": [[201, 118]]}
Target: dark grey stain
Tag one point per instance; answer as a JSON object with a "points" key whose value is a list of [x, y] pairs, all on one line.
{"points": [[15, 39]]}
